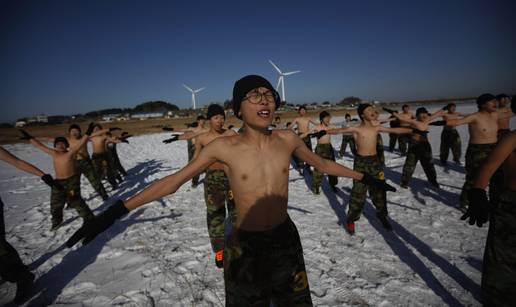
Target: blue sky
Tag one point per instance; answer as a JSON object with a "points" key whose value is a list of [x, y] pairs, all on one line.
{"points": [[66, 57]]}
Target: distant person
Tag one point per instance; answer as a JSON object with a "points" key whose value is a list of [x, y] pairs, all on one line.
{"points": [[217, 192], [393, 137], [302, 123], [483, 131], [277, 123], [68, 188], [420, 148], [263, 257], [347, 139], [189, 135], [504, 122], [367, 161], [499, 265], [83, 164], [112, 155], [450, 138], [12, 268], [325, 150], [404, 139], [99, 157]]}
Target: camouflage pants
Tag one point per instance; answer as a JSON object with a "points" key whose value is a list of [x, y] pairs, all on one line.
{"points": [[393, 138], [498, 177], [116, 161], [422, 152], [476, 154], [112, 165], [71, 194], [85, 166], [347, 139], [372, 166], [101, 165], [266, 266], [12, 268], [324, 151], [218, 195], [191, 151], [499, 269], [450, 139], [404, 142], [299, 163], [379, 149]]}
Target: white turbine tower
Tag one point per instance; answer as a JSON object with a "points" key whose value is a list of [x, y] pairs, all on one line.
{"points": [[281, 79], [193, 93]]}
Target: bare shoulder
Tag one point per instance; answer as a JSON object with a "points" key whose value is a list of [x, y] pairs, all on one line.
{"points": [[230, 132]]}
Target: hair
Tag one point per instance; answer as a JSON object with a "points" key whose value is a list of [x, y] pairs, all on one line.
{"points": [[421, 111], [201, 117], [502, 96], [61, 139], [230, 127], [361, 108], [451, 104], [74, 126], [301, 107], [98, 126], [215, 109], [277, 117], [347, 115], [404, 106], [322, 115]]}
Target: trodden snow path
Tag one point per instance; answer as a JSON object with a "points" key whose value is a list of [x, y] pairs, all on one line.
{"points": [[160, 255]]}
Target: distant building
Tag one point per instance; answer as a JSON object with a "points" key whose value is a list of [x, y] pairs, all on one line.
{"points": [[111, 117], [20, 123], [37, 119], [142, 116]]}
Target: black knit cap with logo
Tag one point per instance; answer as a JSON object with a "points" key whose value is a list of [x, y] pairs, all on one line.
{"points": [[247, 84]]}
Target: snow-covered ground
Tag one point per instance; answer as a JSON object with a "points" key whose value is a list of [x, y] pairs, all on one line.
{"points": [[160, 254]]}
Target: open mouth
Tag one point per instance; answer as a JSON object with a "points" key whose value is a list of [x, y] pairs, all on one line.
{"points": [[264, 113]]}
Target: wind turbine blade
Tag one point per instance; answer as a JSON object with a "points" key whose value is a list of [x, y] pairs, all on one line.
{"points": [[279, 82], [291, 72], [188, 88], [277, 68], [199, 89]]}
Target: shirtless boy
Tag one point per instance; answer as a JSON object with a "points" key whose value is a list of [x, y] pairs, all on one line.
{"points": [[499, 269], [450, 138], [99, 156], [404, 139], [302, 122], [483, 130], [83, 163], [367, 161], [68, 188], [263, 260], [217, 193]]}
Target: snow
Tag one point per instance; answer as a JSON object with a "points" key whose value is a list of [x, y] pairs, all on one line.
{"points": [[160, 254]]}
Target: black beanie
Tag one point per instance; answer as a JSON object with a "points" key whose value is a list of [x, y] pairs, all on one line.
{"points": [[361, 108], [245, 85], [484, 98], [322, 115], [215, 109], [61, 139]]}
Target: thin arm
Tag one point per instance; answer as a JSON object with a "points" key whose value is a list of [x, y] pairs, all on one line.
{"points": [[19, 163]]}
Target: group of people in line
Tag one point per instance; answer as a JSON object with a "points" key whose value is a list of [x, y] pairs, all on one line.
{"points": [[246, 182]]}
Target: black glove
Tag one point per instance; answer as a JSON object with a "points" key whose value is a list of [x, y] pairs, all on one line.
{"points": [[354, 120], [445, 108], [114, 129], [167, 129], [124, 133], [318, 134], [390, 111], [98, 224], [478, 209], [438, 123], [50, 182], [124, 141], [378, 183], [26, 135], [89, 131], [172, 139]]}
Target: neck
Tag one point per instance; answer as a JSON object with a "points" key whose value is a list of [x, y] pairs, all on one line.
{"points": [[256, 136]]}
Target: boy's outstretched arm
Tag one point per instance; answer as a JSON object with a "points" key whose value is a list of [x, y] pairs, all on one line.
{"points": [[19, 164], [157, 190], [395, 130], [347, 130], [461, 121]]}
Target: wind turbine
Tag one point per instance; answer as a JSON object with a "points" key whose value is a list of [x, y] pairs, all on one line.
{"points": [[281, 79], [193, 93]]}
